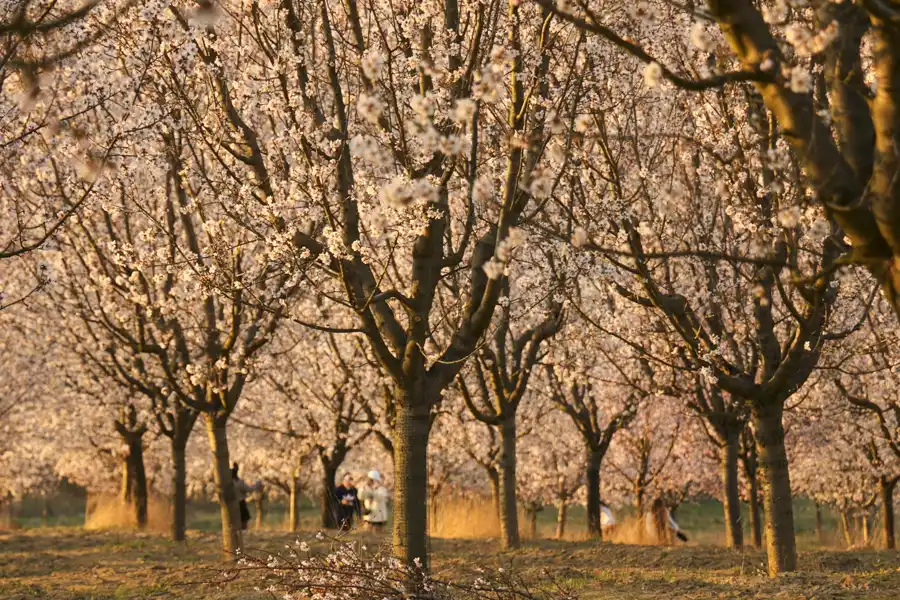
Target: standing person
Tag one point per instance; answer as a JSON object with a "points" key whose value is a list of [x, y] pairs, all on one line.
{"points": [[607, 519], [374, 497], [347, 497], [659, 523], [242, 490]]}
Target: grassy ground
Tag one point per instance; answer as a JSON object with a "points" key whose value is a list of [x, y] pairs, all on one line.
{"points": [[71, 563]]}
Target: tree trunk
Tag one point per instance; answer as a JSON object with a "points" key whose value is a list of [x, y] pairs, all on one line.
{"points": [[592, 483], [781, 545], [329, 506], [639, 508], [494, 478], [411, 429], [126, 492], [179, 487], [728, 464], [260, 501], [46, 512], [140, 482], [232, 541], [755, 517], [886, 489], [294, 502], [866, 524], [509, 519], [561, 518], [845, 528], [8, 505], [532, 522], [819, 534]]}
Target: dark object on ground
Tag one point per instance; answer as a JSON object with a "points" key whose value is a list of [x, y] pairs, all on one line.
{"points": [[681, 536]]}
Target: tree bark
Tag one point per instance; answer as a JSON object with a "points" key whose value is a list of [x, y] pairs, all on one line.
{"points": [[294, 501], [134, 480], [781, 545], [140, 484], [126, 492], [845, 529], [232, 541], [728, 463], [639, 501], [179, 487], [8, 505], [592, 483], [755, 516], [561, 518], [46, 512], [329, 507], [886, 490], [89, 505], [866, 526], [494, 478], [819, 535], [509, 518], [532, 522], [411, 430]]}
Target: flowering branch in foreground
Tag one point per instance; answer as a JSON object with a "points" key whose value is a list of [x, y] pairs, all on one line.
{"points": [[348, 571]]}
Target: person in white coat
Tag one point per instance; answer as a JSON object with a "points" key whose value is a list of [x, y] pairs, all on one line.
{"points": [[374, 497], [607, 519]]}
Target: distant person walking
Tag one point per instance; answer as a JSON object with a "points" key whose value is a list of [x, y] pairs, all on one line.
{"points": [[659, 524], [347, 497], [242, 490], [607, 519], [374, 497]]}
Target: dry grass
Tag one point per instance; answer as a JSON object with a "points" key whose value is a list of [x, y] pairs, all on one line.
{"points": [[70, 564], [464, 518], [109, 512], [629, 531]]}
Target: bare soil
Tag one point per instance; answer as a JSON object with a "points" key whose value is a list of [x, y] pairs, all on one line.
{"points": [[73, 563]]}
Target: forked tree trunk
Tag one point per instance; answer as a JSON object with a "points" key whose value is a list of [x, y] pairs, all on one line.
{"points": [[411, 430], [509, 519], [329, 506], [819, 534], [728, 464], [886, 490], [781, 547], [179, 487], [294, 502], [561, 517], [592, 483], [232, 541]]}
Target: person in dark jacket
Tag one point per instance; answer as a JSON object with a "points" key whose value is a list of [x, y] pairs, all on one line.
{"points": [[346, 497], [242, 490]]}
